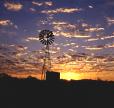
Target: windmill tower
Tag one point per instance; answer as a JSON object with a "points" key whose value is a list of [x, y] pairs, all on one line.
{"points": [[46, 37]]}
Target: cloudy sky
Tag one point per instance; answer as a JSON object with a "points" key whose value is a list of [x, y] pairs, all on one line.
{"points": [[84, 37]]}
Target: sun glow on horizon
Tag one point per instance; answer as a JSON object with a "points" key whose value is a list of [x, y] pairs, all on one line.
{"points": [[70, 76]]}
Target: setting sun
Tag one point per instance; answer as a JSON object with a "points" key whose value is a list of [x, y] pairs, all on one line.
{"points": [[70, 76]]}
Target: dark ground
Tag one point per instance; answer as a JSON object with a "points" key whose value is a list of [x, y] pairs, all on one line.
{"points": [[33, 93]]}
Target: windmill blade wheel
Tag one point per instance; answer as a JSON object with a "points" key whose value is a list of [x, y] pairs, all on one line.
{"points": [[46, 37]]}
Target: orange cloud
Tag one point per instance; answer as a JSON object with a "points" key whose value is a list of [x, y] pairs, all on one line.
{"points": [[13, 6], [5, 22], [42, 3], [94, 48], [32, 39], [110, 21], [70, 35], [92, 39], [110, 46], [107, 37], [37, 3], [94, 29], [48, 3], [60, 25], [67, 29], [81, 36], [61, 10]]}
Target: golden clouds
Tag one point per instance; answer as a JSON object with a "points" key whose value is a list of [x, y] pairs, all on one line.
{"points": [[65, 34], [32, 39], [71, 35], [13, 6], [99, 47], [94, 48], [107, 37], [92, 39], [42, 3], [60, 25], [77, 63], [48, 3], [37, 3], [110, 21], [94, 29], [5, 22], [67, 29], [99, 38], [110, 46], [81, 36], [61, 10]]}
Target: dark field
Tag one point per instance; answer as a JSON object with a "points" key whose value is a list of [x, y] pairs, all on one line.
{"points": [[33, 93]]}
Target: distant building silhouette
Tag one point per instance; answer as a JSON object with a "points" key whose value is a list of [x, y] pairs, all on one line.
{"points": [[52, 76]]}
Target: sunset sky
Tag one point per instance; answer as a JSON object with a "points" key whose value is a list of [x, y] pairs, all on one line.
{"points": [[84, 37]]}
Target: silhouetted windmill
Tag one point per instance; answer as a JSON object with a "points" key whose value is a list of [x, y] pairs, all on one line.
{"points": [[46, 37]]}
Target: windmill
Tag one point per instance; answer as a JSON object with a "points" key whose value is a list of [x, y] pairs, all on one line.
{"points": [[46, 37]]}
